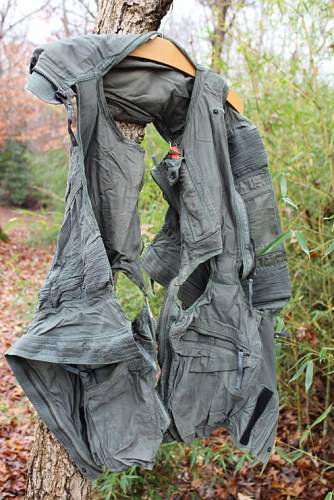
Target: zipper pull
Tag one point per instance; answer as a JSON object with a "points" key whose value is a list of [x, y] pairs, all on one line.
{"points": [[240, 368]]}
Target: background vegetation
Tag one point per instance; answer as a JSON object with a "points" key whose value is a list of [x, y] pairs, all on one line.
{"points": [[278, 55]]}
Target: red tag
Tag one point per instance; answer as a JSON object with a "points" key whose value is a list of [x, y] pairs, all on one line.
{"points": [[174, 153]]}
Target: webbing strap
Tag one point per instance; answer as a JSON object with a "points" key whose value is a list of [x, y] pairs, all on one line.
{"points": [[261, 403]]}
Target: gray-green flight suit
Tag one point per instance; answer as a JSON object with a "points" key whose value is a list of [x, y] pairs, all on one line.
{"points": [[89, 370]]}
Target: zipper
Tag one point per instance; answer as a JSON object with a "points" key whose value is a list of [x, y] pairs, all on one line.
{"points": [[165, 346], [247, 255], [251, 277], [240, 368], [163, 407], [247, 248]]}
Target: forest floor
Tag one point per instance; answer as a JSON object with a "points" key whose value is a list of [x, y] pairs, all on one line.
{"points": [[291, 472], [22, 270]]}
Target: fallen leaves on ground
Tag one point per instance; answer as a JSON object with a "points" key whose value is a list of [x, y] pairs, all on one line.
{"points": [[22, 272]]}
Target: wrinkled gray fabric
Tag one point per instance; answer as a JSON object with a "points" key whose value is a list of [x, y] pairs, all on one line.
{"points": [[89, 370], [133, 103]]}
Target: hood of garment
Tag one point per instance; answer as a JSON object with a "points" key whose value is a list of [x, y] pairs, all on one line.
{"points": [[59, 65]]}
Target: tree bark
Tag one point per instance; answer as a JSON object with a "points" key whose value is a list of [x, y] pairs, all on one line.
{"points": [[51, 473], [130, 16]]}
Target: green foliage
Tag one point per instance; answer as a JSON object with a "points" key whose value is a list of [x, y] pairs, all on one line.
{"points": [[136, 483], [15, 175], [3, 235], [44, 228], [317, 421], [49, 173], [34, 180]]}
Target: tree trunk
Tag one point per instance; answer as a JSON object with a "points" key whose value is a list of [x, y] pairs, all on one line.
{"points": [[217, 37], [51, 473], [223, 14], [131, 16]]}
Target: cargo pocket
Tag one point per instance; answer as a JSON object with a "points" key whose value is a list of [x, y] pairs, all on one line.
{"points": [[199, 218], [211, 382], [258, 194], [125, 418]]}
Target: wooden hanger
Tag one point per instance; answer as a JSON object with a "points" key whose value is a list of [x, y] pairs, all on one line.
{"points": [[163, 50]]}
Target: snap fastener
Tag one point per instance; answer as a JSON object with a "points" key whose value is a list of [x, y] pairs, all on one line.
{"points": [[216, 111]]}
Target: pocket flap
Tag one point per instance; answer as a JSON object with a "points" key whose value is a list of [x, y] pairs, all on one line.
{"points": [[225, 362]]}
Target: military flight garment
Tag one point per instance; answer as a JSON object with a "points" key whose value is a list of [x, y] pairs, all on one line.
{"points": [[89, 371]]}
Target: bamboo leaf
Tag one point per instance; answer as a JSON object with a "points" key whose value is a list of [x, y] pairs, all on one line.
{"points": [[330, 248], [304, 436], [288, 201], [279, 324], [283, 186], [295, 158], [309, 375], [298, 372], [302, 242], [275, 243], [321, 417], [283, 454]]}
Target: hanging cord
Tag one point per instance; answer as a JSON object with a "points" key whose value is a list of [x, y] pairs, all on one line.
{"points": [[69, 111]]}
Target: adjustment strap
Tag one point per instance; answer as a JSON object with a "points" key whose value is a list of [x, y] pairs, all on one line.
{"points": [[261, 403]]}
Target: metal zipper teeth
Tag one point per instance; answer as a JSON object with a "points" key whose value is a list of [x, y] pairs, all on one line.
{"points": [[240, 234], [241, 238], [166, 344], [163, 406], [240, 368]]}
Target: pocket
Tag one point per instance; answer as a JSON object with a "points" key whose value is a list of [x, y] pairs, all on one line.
{"points": [[125, 419], [264, 225], [260, 199], [212, 381], [198, 217]]}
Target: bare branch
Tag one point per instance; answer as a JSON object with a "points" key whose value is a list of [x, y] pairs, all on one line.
{"points": [[5, 13]]}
